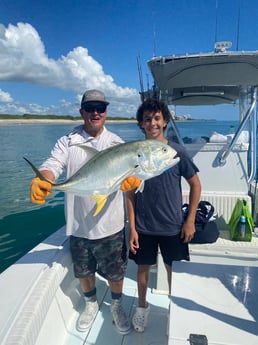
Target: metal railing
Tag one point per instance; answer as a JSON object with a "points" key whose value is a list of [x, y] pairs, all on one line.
{"points": [[252, 117]]}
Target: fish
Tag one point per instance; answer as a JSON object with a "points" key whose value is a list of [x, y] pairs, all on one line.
{"points": [[105, 171]]}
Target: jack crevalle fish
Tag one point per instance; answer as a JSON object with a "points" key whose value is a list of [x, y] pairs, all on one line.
{"points": [[104, 172]]}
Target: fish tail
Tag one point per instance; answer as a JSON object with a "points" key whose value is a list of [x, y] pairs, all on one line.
{"points": [[100, 200], [37, 172]]}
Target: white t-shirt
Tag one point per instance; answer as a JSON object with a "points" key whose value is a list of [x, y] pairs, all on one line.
{"points": [[78, 210]]}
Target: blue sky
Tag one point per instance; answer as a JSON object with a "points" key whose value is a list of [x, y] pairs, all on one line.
{"points": [[51, 51]]}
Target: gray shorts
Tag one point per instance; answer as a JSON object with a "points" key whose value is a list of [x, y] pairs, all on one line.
{"points": [[107, 256]]}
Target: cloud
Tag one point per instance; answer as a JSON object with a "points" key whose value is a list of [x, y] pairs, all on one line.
{"points": [[23, 59], [5, 97]]}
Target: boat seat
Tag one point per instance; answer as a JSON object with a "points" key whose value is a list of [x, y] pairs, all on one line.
{"points": [[33, 290], [223, 249]]}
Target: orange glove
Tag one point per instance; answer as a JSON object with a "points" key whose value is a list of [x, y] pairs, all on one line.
{"points": [[130, 183], [39, 190]]}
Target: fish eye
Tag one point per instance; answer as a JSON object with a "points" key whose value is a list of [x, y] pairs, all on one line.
{"points": [[140, 156], [164, 150]]}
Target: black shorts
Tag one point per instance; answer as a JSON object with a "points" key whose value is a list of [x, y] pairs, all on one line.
{"points": [[107, 256], [172, 248]]}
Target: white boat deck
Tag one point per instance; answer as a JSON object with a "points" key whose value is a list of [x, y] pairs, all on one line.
{"points": [[41, 301], [216, 301], [215, 295], [104, 332]]}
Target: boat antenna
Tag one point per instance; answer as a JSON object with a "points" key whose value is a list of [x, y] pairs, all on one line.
{"points": [[140, 78], [148, 85], [238, 26], [147, 77], [154, 36], [216, 22]]}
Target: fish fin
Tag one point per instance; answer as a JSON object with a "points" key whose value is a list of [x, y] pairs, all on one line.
{"points": [[91, 152], [117, 183], [100, 200], [37, 172], [141, 187]]}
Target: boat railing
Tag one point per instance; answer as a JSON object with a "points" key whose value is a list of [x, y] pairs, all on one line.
{"points": [[250, 115]]}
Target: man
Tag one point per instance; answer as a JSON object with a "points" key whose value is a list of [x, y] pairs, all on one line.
{"points": [[155, 215], [96, 242]]}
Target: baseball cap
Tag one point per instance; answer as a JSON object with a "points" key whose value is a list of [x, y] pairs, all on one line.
{"points": [[93, 96]]}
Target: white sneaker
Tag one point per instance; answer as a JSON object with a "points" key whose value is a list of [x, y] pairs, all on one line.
{"points": [[120, 318], [87, 317], [140, 318]]}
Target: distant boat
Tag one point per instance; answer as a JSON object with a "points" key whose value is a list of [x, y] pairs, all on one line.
{"points": [[214, 297]]}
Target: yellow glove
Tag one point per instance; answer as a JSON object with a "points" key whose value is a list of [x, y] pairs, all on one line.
{"points": [[39, 190], [130, 183]]}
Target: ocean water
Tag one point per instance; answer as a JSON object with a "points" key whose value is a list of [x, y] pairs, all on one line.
{"points": [[23, 224]]}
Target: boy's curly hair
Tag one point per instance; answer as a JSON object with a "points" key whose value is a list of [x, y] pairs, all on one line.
{"points": [[152, 105]]}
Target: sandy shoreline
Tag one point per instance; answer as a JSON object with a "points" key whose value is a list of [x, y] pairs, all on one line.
{"points": [[49, 121]]}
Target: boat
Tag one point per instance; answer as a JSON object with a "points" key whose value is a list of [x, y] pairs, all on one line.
{"points": [[214, 296]]}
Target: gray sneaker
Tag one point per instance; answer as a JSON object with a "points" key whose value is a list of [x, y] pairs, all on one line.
{"points": [[120, 319], [87, 317]]}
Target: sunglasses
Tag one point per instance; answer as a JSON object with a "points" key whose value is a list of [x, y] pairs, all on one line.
{"points": [[89, 108]]}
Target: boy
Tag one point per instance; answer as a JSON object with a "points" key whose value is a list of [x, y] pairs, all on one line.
{"points": [[155, 215]]}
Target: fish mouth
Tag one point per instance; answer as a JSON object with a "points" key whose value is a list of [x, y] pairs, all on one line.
{"points": [[175, 160], [172, 161]]}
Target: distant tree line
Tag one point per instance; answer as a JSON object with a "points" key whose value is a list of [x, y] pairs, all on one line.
{"points": [[53, 117]]}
